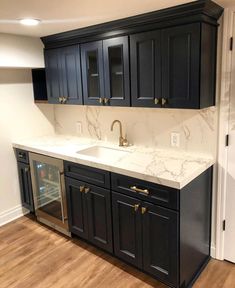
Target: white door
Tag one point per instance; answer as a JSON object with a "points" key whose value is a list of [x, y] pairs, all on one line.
{"points": [[229, 251]]}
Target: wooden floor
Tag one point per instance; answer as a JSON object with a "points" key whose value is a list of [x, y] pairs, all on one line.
{"points": [[31, 255]]}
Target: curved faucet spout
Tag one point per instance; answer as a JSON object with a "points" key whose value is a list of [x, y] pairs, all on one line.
{"points": [[122, 141]]}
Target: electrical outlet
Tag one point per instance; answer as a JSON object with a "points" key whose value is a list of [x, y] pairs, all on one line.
{"points": [[79, 128], [175, 139]]}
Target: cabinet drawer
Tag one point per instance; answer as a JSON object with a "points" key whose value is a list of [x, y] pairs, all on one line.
{"points": [[88, 174], [147, 191], [22, 156]]}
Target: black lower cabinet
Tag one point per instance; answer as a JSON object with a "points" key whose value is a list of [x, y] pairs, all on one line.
{"points": [[127, 229], [89, 208], [145, 235], [77, 208], [162, 231], [160, 242], [25, 186], [99, 217]]}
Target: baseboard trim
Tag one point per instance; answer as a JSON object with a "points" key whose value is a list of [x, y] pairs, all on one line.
{"points": [[12, 214], [213, 251]]}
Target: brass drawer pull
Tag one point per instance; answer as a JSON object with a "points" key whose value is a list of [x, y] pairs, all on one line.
{"points": [[143, 210], [81, 188], [87, 189], [106, 100], [136, 207], [144, 191]]}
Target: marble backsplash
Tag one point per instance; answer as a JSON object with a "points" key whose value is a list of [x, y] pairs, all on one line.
{"points": [[143, 126]]}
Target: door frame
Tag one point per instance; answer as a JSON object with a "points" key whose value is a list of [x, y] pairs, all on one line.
{"points": [[224, 88]]}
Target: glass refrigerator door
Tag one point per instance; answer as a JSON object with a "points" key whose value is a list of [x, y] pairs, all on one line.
{"points": [[48, 189]]}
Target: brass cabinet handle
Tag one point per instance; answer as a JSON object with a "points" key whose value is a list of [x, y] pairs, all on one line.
{"points": [[163, 101], [101, 100], [145, 191], [143, 210], [106, 100], [64, 100], [87, 189], [81, 188], [136, 207], [156, 101]]}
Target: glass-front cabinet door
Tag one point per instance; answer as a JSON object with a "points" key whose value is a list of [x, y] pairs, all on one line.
{"points": [[49, 190], [116, 72], [92, 73]]}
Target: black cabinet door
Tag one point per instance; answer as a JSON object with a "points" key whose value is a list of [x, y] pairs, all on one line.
{"points": [[160, 243], [180, 66], [145, 69], [99, 217], [25, 186], [70, 69], [53, 75], [127, 229], [77, 207], [92, 72], [116, 72]]}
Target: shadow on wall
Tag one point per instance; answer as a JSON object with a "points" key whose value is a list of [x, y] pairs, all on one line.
{"points": [[14, 76]]}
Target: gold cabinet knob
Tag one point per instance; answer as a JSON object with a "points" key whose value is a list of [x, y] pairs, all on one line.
{"points": [[163, 101], [136, 207], [106, 100], [64, 100], [156, 101], [143, 210], [87, 189], [81, 188]]}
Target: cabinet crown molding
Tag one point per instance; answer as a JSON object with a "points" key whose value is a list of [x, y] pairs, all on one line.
{"points": [[198, 11]]}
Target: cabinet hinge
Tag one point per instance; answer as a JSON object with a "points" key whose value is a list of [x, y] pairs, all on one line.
{"points": [[227, 140], [224, 224], [231, 44]]}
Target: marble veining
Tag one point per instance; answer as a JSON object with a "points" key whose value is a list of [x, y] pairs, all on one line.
{"points": [[163, 166], [145, 127]]}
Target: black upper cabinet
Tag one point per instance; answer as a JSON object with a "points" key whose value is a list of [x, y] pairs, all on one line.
{"points": [[92, 73], [145, 53], [180, 66], [63, 75], [71, 74], [52, 75], [172, 59], [160, 243], [105, 72], [116, 71]]}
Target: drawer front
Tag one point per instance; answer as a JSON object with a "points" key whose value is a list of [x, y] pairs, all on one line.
{"points": [[22, 156], [88, 174], [147, 191]]}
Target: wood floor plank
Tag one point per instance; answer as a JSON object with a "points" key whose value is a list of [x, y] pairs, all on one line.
{"points": [[34, 256]]}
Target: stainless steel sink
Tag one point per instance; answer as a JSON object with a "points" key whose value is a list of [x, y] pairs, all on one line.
{"points": [[104, 153]]}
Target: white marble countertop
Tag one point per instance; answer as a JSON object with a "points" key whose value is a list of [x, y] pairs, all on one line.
{"points": [[167, 167]]}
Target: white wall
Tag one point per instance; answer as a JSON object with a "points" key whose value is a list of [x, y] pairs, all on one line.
{"points": [[19, 117], [20, 51]]}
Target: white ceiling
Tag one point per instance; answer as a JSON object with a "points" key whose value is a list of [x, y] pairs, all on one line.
{"points": [[58, 16]]}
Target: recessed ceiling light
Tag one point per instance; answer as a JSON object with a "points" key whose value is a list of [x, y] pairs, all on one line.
{"points": [[29, 21]]}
